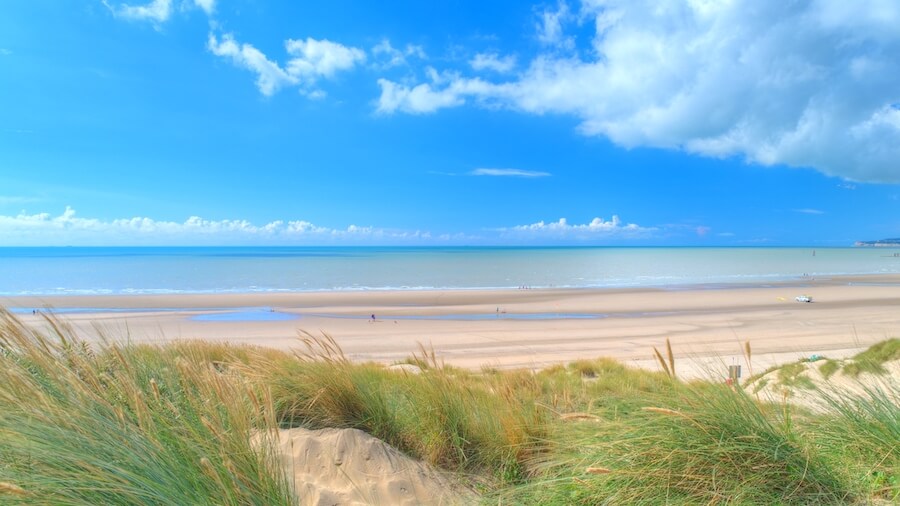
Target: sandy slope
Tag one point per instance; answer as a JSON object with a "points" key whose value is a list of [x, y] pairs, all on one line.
{"points": [[350, 467]]}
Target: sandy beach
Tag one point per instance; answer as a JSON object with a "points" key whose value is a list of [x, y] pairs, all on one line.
{"points": [[515, 328]]}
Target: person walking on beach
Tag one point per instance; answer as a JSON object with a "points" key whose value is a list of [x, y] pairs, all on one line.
{"points": [[373, 319]]}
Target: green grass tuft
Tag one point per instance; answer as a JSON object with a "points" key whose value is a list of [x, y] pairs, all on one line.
{"points": [[794, 376], [829, 367], [872, 360]]}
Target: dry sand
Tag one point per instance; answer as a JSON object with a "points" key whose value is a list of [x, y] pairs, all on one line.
{"points": [[519, 328], [349, 467]]}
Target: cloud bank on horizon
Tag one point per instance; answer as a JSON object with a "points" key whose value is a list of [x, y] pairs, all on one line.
{"points": [[69, 229]]}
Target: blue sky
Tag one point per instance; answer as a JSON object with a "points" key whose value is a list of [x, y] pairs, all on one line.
{"points": [[449, 123]]}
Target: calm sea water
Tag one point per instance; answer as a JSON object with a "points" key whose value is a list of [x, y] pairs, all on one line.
{"points": [[53, 271]]}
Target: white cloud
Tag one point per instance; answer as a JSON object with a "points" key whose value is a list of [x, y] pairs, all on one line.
{"points": [[208, 6], [598, 228], [801, 84], [550, 29], [157, 11], [809, 211], [493, 61], [70, 229], [310, 60], [320, 58], [269, 76], [509, 173], [430, 97], [389, 56]]}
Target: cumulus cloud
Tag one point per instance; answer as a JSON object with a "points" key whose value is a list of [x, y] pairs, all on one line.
{"points": [[157, 11], [313, 58], [509, 173], [70, 229], [310, 60], [598, 228], [812, 84], [493, 61], [388, 56]]}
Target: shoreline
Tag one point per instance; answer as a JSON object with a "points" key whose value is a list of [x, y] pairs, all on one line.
{"points": [[786, 281], [704, 323]]}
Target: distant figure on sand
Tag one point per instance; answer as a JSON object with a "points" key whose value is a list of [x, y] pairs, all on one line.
{"points": [[373, 319]]}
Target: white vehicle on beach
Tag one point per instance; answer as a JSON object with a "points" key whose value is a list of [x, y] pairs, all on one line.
{"points": [[803, 298]]}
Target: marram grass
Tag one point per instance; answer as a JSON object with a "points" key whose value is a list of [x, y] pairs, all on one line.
{"points": [[120, 425], [188, 423]]}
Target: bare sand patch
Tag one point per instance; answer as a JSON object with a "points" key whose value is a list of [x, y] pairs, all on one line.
{"points": [[349, 467]]}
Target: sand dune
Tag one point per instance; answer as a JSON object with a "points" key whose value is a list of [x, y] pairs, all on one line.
{"points": [[349, 467]]}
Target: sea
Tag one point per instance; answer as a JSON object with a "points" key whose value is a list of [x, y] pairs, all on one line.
{"points": [[176, 270]]}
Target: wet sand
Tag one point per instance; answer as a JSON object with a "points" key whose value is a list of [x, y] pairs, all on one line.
{"points": [[515, 328]]}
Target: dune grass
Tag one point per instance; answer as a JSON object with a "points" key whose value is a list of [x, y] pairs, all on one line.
{"points": [[689, 444], [126, 425], [448, 417], [872, 360], [189, 423], [860, 434]]}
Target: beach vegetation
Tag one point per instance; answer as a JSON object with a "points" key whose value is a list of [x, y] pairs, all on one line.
{"points": [[120, 424], [872, 360], [448, 417], [193, 423], [829, 367], [794, 376], [859, 434]]}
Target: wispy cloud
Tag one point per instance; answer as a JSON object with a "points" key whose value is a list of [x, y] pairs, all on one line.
{"points": [[269, 76], [808, 211], [550, 26], [5, 52], [157, 11], [509, 173], [208, 6], [493, 61], [388, 56], [17, 199]]}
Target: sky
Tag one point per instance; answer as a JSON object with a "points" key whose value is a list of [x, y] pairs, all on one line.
{"points": [[592, 122]]}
